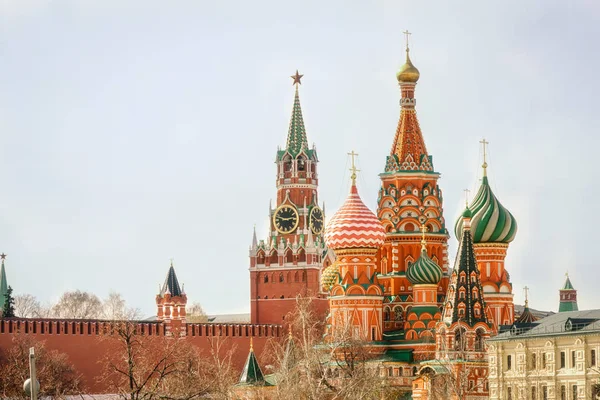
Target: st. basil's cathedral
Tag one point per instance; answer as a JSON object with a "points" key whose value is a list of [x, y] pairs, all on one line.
{"points": [[385, 275]]}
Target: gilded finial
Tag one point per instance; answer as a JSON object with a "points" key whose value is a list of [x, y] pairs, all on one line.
{"points": [[485, 165], [353, 168], [467, 191], [406, 37], [526, 290], [408, 73], [296, 79], [290, 332], [251, 345], [423, 241], [171, 262]]}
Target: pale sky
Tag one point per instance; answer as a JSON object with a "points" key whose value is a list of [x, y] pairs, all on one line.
{"points": [[132, 132]]}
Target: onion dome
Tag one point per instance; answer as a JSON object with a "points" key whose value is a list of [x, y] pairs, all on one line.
{"points": [[408, 73], [354, 226], [329, 276], [424, 271], [490, 221]]}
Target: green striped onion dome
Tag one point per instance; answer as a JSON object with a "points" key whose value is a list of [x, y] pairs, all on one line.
{"points": [[490, 221], [329, 277], [424, 271]]}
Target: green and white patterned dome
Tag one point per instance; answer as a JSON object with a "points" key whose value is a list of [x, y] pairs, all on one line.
{"points": [[490, 221], [424, 271]]}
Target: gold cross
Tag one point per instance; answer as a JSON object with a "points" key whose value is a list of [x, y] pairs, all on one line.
{"points": [[467, 191], [526, 290], [423, 242], [484, 143], [353, 167], [406, 35]]}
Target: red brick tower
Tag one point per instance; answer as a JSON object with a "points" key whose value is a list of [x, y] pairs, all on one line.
{"points": [[171, 302], [409, 197], [289, 262]]}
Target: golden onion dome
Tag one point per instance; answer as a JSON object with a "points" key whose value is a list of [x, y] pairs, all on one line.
{"points": [[330, 276], [408, 73]]}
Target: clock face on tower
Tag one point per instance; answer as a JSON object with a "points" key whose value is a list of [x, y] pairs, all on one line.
{"points": [[316, 220], [285, 219]]}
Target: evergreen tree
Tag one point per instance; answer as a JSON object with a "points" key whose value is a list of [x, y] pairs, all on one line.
{"points": [[8, 310]]}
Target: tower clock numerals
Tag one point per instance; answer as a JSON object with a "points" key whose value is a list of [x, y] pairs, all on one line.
{"points": [[316, 220], [285, 219]]}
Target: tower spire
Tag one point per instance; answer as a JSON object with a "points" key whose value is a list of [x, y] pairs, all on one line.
{"points": [[3, 280], [296, 140]]}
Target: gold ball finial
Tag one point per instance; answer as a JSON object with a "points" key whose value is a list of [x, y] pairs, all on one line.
{"points": [[408, 73]]}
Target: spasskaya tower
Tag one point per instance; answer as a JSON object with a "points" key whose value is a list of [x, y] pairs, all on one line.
{"points": [[289, 262]]}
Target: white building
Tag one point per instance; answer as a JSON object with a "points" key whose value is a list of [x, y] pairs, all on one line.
{"points": [[552, 358]]}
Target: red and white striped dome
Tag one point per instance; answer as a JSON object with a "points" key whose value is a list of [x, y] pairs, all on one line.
{"points": [[354, 226]]}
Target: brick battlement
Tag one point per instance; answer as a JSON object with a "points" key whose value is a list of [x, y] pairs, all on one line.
{"points": [[40, 326]]}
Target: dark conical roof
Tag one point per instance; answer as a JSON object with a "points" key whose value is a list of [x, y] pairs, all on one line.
{"points": [[527, 316], [252, 374], [171, 284], [465, 291]]}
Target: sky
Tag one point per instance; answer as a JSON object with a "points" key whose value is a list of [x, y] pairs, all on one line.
{"points": [[133, 132]]}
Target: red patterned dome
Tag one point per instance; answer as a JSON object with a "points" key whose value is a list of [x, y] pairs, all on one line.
{"points": [[354, 226]]}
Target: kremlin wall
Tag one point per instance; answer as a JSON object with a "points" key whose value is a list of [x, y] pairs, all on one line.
{"points": [[386, 272]]}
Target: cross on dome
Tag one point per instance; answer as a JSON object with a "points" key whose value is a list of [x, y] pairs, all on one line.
{"points": [[352, 154], [484, 143]]}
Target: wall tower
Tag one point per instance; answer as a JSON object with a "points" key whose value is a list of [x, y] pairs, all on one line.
{"points": [[568, 297], [171, 302], [289, 261], [3, 282]]}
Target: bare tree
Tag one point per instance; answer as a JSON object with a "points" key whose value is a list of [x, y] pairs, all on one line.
{"points": [[115, 308], [306, 367], [195, 313], [27, 306], [56, 375], [147, 367], [77, 305]]}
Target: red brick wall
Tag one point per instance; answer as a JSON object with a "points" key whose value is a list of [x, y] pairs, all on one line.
{"points": [[80, 340]]}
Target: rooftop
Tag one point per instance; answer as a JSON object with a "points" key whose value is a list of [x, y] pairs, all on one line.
{"points": [[565, 323]]}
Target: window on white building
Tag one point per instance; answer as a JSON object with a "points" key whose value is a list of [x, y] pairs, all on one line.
{"points": [[572, 359], [563, 392], [593, 358], [533, 361], [533, 393], [509, 361], [563, 360], [574, 392]]}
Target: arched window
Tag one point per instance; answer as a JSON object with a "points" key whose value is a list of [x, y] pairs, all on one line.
{"points": [[409, 227], [281, 277], [301, 164], [273, 259], [289, 256], [296, 279], [266, 279], [386, 314], [301, 255], [303, 276], [459, 339], [479, 343], [398, 314], [282, 297]]}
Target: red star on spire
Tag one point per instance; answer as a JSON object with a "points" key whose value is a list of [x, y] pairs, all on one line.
{"points": [[2, 256], [297, 78]]}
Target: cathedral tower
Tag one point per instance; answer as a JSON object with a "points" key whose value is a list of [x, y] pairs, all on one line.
{"points": [[493, 227], [355, 294], [409, 197], [465, 326], [289, 262]]}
